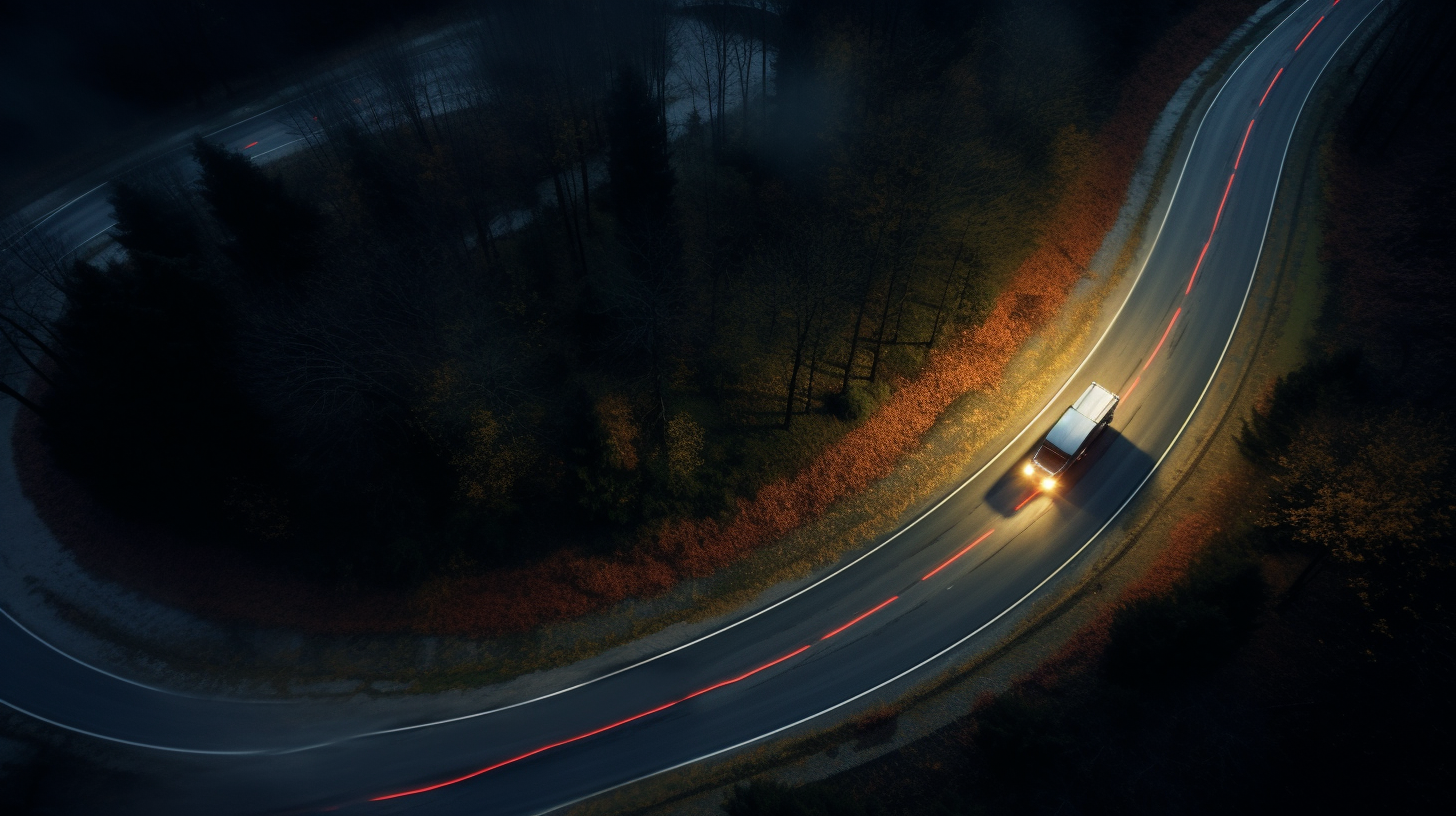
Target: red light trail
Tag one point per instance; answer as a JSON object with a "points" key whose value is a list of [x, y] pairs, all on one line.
{"points": [[860, 618], [592, 733], [1194, 276], [1271, 86], [968, 547], [1159, 347], [1222, 202], [1131, 388], [1240, 157], [1311, 30], [246, 146], [1128, 393]]}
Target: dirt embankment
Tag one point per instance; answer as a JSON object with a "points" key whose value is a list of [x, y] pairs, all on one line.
{"points": [[214, 582]]}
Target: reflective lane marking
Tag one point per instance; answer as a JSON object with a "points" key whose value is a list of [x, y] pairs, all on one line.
{"points": [[882, 605], [967, 549], [78, 247], [11, 239], [1070, 379], [257, 156], [1073, 557], [636, 717]]}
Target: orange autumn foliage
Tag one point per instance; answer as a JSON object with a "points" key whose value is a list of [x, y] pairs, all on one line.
{"points": [[570, 584]]}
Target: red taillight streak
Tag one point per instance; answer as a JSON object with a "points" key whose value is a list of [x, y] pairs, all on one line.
{"points": [[593, 733], [1128, 392], [254, 144], [1271, 86], [1033, 495], [1165, 337], [1240, 157], [858, 619], [1310, 31], [967, 549], [1197, 265], [1219, 214]]}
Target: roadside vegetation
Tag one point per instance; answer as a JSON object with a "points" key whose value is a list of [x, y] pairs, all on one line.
{"points": [[525, 332], [1292, 650]]}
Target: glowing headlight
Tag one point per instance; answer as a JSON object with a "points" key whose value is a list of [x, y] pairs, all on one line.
{"points": [[1048, 483], [1029, 469]]}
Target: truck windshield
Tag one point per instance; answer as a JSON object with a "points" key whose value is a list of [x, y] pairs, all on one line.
{"points": [[1050, 458]]}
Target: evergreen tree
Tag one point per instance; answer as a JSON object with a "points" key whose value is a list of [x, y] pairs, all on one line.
{"points": [[147, 222], [640, 160], [272, 230]]}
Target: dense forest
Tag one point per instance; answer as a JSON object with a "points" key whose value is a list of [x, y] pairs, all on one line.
{"points": [[621, 263], [1211, 693]]}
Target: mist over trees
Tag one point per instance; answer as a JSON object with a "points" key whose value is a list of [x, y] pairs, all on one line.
{"points": [[620, 262]]}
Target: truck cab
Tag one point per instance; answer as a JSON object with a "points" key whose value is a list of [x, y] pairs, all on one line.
{"points": [[1069, 439]]}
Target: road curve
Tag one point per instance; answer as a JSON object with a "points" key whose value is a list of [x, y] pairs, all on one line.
{"points": [[932, 587]]}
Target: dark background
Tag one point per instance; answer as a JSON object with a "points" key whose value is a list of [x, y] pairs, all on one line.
{"points": [[78, 75]]}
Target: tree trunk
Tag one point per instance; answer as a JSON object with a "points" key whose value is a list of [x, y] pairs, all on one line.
{"points": [[30, 364], [793, 382], [945, 291], [880, 329]]}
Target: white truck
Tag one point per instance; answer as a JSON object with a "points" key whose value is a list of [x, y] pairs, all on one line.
{"points": [[1069, 439]]}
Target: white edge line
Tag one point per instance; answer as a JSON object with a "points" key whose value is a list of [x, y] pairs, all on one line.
{"points": [[78, 660], [77, 247], [934, 507], [249, 119], [1099, 532], [1141, 270], [121, 741], [257, 156], [48, 216]]}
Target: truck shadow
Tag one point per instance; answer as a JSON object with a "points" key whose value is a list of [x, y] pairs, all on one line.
{"points": [[1111, 457], [1008, 493]]}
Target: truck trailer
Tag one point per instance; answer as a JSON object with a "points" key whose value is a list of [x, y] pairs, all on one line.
{"points": [[1069, 439]]}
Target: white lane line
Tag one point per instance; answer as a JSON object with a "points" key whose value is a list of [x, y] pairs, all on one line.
{"points": [[252, 157], [100, 670], [48, 216], [937, 505], [257, 156], [1099, 532], [52, 213], [88, 240], [1141, 270], [73, 729], [245, 121]]}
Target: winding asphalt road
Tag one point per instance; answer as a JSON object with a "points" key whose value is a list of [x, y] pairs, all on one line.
{"points": [[976, 557]]}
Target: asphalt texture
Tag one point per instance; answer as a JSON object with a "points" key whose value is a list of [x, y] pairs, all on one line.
{"points": [[931, 589]]}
